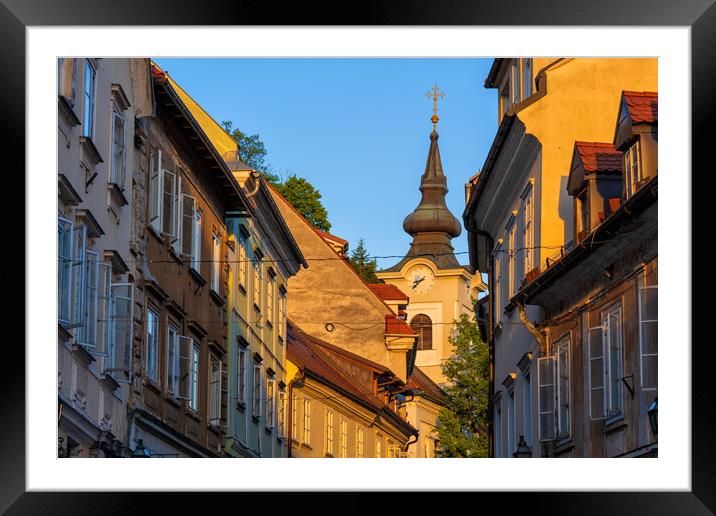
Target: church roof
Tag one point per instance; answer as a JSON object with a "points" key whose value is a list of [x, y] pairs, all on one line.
{"points": [[388, 292]]}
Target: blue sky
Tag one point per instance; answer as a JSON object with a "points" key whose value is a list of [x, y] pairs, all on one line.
{"points": [[358, 129]]}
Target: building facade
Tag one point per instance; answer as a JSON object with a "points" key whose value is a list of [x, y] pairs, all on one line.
{"points": [[520, 216], [99, 102], [183, 190], [336, 414]]}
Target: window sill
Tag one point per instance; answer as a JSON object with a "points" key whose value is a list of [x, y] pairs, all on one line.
{"points": [[614, 423], [217, 297], [255, 419], [197, 276], [214, 428], [109, 381], [563, 445], [242, 289], [174, 255], [257, 308], [172, 400], [91, 150], [116, 194], [192, 414], [241, 406], [269, 431], [155, 233], [152, 385]]}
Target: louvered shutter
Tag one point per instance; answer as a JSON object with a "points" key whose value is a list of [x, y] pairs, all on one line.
{"points": [[597, 391], [546, 383]]}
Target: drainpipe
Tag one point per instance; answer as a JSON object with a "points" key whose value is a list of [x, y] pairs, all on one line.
{"points": [[407, 445], [296, 379]]}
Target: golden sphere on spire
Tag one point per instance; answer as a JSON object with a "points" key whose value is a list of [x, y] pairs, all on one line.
{"points": [[434, 119]]}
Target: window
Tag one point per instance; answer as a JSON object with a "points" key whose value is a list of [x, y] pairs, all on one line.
{"points": [[582, 213], [527, 408], [89, 100], [196, 242], [294, 418], [528, 238], [563, 387], [170, 211], [344, 438], [511, 430], [511, 261], [282, 313], [77, 276], [270, 285], [118, 159], [606, 365], [328, 437], [306, 421], [243, 262], [379, 446], [172, 360], [215, 262], [632, 168], [152, 344], [515, 81], [498, 429], [256, 407], [214, 391], [258, 279], [121, 331], [505, 97], [64, 270], [194, 378], [186, 241], [393, 450], [170, 192], [423, 326], [281, 413], [648, 333], [360, 442], [526, 77], [270, 402], [241, 375]]}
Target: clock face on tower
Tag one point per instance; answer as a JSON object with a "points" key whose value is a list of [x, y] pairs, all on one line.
{"points": [[420, 279]]}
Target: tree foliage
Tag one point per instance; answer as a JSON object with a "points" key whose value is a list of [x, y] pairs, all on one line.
{"points": [[298, 191], [363, 264], [306, 199], [462, 423]]}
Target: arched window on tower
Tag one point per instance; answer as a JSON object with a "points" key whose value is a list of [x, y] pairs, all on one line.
{"points": [[423, 326]]}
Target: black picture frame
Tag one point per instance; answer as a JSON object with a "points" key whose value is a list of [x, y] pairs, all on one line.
{"points": [[699, 15]]}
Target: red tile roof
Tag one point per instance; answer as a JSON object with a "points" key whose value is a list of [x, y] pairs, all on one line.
{"points": [[395, 326], [599, 157], [643, 106], [422, 382], [388, 292]]}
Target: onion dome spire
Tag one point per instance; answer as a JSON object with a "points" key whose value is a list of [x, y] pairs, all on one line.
{"points": [[431, 224]]}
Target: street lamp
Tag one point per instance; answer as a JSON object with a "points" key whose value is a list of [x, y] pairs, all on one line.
{"points": [[140, 452], [523, 451], [653, 413]]}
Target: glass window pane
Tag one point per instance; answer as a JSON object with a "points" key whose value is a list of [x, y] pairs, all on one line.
{"points": [[650, 372], [649, 303], [649, 337]]}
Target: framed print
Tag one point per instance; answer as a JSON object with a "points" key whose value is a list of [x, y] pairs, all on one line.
{"points": [[181, 240]]}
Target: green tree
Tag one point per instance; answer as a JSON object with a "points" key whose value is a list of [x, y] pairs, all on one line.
{"points": [[363, 264], [306, 199], [462, 423], [298, 191]]}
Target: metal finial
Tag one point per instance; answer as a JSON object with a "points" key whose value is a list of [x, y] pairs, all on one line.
{"points": [[435, 94]]}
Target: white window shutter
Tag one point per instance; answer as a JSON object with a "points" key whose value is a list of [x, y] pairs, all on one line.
{"points": [[79, 249], [122, 322], [545, 379], [186, 345], [88, 330], [224, 401], [186, 226], [597, 371], [104, 298]]}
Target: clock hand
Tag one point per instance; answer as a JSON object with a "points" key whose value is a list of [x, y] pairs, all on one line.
{"points": [[418, 280]]}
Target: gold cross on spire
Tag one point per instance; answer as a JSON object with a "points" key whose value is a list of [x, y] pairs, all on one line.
{"points": [[435, 94]]}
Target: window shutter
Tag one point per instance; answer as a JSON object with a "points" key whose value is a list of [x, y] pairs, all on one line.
{"points": [[122, 324], [64, 267], [104, 297], [185, 345], [79, 247], [186, 227], [224, 395], [596, 373], [88, 328], [155, 193], [545, 379], [169, 184]]}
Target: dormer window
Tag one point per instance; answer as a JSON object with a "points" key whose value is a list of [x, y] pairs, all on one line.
{"points": [[633, 173]]}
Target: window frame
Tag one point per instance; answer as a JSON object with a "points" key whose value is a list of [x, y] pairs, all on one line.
{"points": [[610, 408], [194, 371], [343, 443], [173, 363], [360, 442], [215, 277], [528, 231], [270, 403], [497, 426], [328, 438], [632, 167], [527, 407], [89, 100], [306, 434], [641, 287], [214, 392], [241, 374], [511, 277], [562, 349], [151, 348], [118, 176], [511, 427], [497, 294], [526, 75], [256, 404], [423, 328], [195, 262]]}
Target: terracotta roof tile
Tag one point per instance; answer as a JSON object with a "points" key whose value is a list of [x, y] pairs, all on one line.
{"points": [[599, 157], [643, 106], [395, 326], [388, 292], [422, 382], [326, 234]]}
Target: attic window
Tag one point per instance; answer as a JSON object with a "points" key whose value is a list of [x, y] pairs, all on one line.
{"points": [[632, 168]]}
